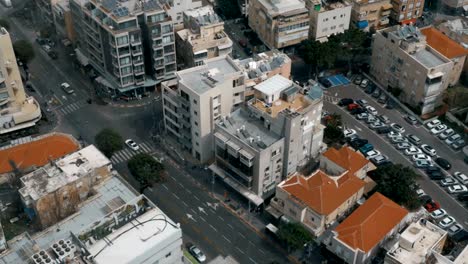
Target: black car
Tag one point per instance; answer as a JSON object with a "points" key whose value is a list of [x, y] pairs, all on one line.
{"points": [[463, 197], [52, 54], [443, 163], [345, 101], [358, 142], [431, 169], [370, 89], [357, 111], [383, 130], [248, 51], [436, 175], [390, 104]]}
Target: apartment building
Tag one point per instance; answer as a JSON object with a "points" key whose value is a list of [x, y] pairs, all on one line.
{"points": [[176, 8], [358, 238], [401, 58], [130, 43], [55, 191], [196, 99], [45, 10], [406, 11], [63, 20], [448, 48], [368, 14], [328, 18], [455, 6], [279, 23], [203, 37], [456, 29], [257, 146], [17, 109]]}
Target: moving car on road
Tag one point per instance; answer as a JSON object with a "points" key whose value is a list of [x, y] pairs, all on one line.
{"points": [[131, 144], [66, 88], [197, 253]]}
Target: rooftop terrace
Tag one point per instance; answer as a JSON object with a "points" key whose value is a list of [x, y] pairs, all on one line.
{"points": [[428, 58], [203, 15]]}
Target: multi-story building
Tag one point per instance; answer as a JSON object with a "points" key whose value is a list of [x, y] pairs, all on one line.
{"points": [[45, 10], [203, 37], [130, 43], [406, 11], [450, 49], [456, 29], [63, 20], [197, 98], [17, 110], [176, 8], [402, 59], [279, 23], [368, 14], [55, 191], [358, 238], [328, 18]]}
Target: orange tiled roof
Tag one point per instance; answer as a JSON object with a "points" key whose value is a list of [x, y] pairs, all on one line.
{"points": [[346, 158], [443, 44], [370, 223], [37, 152], [320, 192]]}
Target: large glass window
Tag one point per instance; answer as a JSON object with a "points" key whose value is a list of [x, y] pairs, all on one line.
{"points": [[122, 40], [166, 29], [124, 61]]}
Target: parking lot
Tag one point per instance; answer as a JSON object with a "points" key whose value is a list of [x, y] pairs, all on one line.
{"points": [[384, 144]]}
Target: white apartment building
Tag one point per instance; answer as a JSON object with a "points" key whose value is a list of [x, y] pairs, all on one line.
{"points": [[203, 37], [17, 109], [401, 58], [328, 18], [176, 8]]}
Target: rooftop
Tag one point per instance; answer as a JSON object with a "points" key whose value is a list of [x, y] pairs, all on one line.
{"points": [[296, 105], [249, 130], [416, 242], [443, 44], [330, 4], [37, 152], [277, 7], [427, 58], [263, 63], [321, 192], [122, 9], [346, 158], [68, 169], [205, 77], [459, 26], [204, 15], [370, 223]]}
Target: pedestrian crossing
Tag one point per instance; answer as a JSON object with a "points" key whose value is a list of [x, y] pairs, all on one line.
{"points": [[70, 108], [127, 153], [331, 99]]}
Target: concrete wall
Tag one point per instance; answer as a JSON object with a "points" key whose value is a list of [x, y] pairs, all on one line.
{"points": [[326, 23], [372, 12]]}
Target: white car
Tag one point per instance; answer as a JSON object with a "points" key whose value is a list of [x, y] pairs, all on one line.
{"points": [[446, 222], [131, 144], [397, 128], [362, 102], [458, 188], [196, 252], [396, 140], [428, 150], [421, 157], [420, 192], [404, 145], [371, 119], [349, 132], [448, 181], [447, 133], [453, 138], [364, 83], [412, 151], [392, 134], [433, 123], [362, 116], [455, 229], [66, 88], [371, 110], [438, 129], [461, 177], [372, 154], [439, 213]]}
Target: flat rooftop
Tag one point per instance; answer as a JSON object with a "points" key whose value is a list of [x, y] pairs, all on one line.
{"points": [[263, 63], [205, 77], [298, 104], [428, 58], [283, 6], [250, 129], [203, 15], [416, 242], [68, 169]]}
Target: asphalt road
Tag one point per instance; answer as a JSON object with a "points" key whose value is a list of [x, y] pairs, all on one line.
{"points": [[216, 231], [449, 203]]}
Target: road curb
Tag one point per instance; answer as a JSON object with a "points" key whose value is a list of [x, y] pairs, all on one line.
{"points": [[129, 105]]}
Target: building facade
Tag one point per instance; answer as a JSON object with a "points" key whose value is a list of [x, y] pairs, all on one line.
{"points": [[402, 59], [203, 37], [328, 18], [456, 29], [279, 23], [406, 11], [368, 15], [63, 20], [45, 10], [130, 44], [17, 109]]}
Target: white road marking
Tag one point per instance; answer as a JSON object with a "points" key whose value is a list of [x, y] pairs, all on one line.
{"points": [[165, 187], [252, 260], [358, 128], [175, 195], [227, 239], [202, 210], [240, 250], [220, 218], [196, 197], [193, 211], [201, 217], [212, 227], [185, 203], [189, 216], [263, 252], [230, 226], [242, 235], [188, 191]]}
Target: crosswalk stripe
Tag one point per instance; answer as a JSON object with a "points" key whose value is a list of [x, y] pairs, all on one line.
{"points": [[119, 157], [114, 159], [66, 111], [125, 154], [145, 147], [73, 107]]}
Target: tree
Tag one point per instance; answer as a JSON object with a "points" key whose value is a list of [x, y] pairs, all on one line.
{"points": [[109, 141], [146, 170], [333, 132], [229, 8], [396, 182], [24, 51], [294, 235], [5, 24]]}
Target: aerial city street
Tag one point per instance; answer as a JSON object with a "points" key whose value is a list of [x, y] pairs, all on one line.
{"points": [[233, 131]]}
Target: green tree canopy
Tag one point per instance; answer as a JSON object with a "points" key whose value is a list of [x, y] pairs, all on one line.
{"points": [[109, 141], [24, 50], [4, 23], [229, 8], [333, 132], [146, 169], [396, 182], [294, 235]]}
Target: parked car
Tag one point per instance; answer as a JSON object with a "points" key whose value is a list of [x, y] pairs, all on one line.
{"points": [[448, 181], [396, 140], [384, 119], [397, 128], [431, 206], [403, 145], [371, 110], [428, 150], [434, 175], [411, 119], [422, 164], [352, 106], [421, 157], [390, 104], [439, 213], [393, 134], [371, 119], [443, 163], [362, 102], [454, 229], [438, 129], [197, 253], [358, 143], [412, 151], [378, 160], [457, 188], [131, 144], [461, 177], [420, 192], [52, 54], [364, 83], [447, 133], [447, 222], [349, 132], [383, 130], [370, 89], [413, 139], [66, 88], [367, 147], [373, 153], [358, 80], [377, 125], [459, 144], [382, 98], [433, 123], [463, 197], [362, 116], [345, 101], [357, 111], [453, 138], [376, 93]]}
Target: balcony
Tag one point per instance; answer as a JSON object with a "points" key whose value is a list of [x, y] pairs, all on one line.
{"points": [[139, 72], [137, 62], [136, 52], [140, 81]]}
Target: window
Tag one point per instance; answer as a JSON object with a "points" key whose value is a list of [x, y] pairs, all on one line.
{"points": [[124, 61], [324, 29], [122, 40], [168, 255], [196, 134], [333, 27], [194, 101], [166, 29], [195, 112], [196, 123], [334, 17], [341, 25], [167, 39], [291, 211]]}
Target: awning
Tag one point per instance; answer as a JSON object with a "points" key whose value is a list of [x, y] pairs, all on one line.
{"points": [[103, 81], [362, 24], [81, 58]]}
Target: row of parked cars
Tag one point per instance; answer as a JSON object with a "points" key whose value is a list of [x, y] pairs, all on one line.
{"points": [[448, 135], [372, 89]]}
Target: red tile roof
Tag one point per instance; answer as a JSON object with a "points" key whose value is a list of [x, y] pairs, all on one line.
{"points": [[346, 158], [370, 223], [320, 192], [38, 152], [443, 44]]}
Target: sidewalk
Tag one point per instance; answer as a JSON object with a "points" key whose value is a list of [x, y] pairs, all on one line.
{"points": [[132, 103]]}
